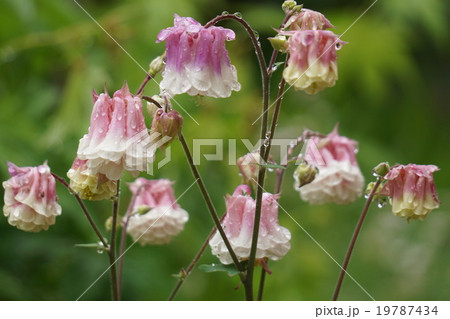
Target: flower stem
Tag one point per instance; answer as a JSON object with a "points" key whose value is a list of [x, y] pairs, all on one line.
{"points": [[84, 209], [148, 77], [123, 239], [353, 240], [112, 246], [208, 201], [193, 262]]}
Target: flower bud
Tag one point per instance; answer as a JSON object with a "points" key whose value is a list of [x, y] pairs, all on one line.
{"points": [[381, 169], [304, 174], [378, 196], [248, 167], [109, 223], [157, 65], [288, 5], [279, 43], [167, 125]]}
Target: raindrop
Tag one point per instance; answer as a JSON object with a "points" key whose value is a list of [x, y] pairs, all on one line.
{"points": [[119, 118], [268, 133], [100, 131], [238, 14], [270, 169], [380, 205], [103, 113], [225, 13], [100, 250], [256, 34], [338, 46], [266, 143], [274, 68], [292, 144], [366, 196]]}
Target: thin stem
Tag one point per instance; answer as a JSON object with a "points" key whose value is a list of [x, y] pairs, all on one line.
{"points": [[148, 77], [261, 284], [354, 237], [151, 100], [112, 250], [84, 209], [123, 239], [193, 262], [208, 201]]}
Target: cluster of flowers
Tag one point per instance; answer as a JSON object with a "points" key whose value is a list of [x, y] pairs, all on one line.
{"points": [[197, 63]]}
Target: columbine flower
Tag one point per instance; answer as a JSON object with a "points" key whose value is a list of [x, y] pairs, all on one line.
{"points": [[30, 198], [197, 61], [312, 64], [339, 179], [308, 20], [88, 185], [156, 215], [248, 167], [411, 190], [273, 240], [116, 137]]}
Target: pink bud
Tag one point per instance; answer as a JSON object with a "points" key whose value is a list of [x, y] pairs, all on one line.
{"points": [[411, 190], [273, 240], [197, 60], [339, 179], [248, 167], [312, 64], [156, 215], [308, 20], [30, 198], [116, 135], [166, 126]]}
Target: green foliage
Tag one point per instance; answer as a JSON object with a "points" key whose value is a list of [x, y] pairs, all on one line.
{"points": [[392, 96]]}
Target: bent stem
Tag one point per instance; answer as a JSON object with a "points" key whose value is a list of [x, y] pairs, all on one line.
{"points": [[208, 202], [84, 209], [112, 247], [185, 273], [353, 240]]}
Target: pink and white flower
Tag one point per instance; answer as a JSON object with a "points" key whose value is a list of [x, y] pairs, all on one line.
{"points": [[88, 185], [312, 64], [156, 216], [197, 60], [411, 190], [308, 20], [339, 179], [273, 240], [116, 137], [30, 198]]}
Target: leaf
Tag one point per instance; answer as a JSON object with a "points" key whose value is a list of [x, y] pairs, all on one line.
{"points": [[230, 269]]}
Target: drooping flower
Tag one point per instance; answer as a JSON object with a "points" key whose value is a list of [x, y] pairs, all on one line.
{"points": [[248, 167], [88, 185], [30, 198], [411, 190], [117, 138], [339, 179], [273, 240], [156, 215], [312, 64], [197, 60], [308, 20]]}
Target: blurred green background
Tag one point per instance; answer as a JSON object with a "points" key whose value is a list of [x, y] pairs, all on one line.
{"points": [[392, 96]]}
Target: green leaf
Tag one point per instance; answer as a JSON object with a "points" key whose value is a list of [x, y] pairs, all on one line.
{"points": [[230, 269]]}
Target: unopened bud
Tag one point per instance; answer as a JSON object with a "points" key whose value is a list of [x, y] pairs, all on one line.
{"points": [[304, 174], [167, 125], [157, 65], [279, 43], [248, 167], [377, 197], [109, 223], [381, 169], [288, 5]]}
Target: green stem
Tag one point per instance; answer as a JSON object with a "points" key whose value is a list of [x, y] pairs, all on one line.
{"points": [[193, 262], [123, 239], [112, 247], [354, 237], [208, 202], [84, 209]]}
